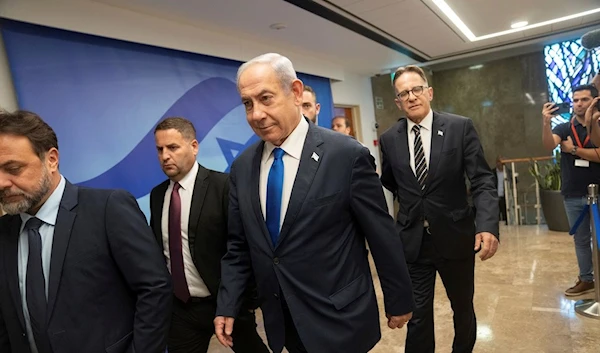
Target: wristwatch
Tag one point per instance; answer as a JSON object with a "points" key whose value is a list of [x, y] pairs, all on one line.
{"points": [[574, 150]]}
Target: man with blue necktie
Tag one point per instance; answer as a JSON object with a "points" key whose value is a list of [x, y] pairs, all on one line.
{"points": [[302, 202]]}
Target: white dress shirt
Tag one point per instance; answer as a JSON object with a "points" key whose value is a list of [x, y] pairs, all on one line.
{"points": [[500, 186], [292, 146], [47, 214], [195, 283], [426, 126]]}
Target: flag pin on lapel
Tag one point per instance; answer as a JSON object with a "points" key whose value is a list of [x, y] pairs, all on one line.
{"points": [[315, 157], [440, 133]]}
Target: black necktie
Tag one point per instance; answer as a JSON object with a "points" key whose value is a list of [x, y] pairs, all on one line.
{"points": [[420, 162], [36, 286]]}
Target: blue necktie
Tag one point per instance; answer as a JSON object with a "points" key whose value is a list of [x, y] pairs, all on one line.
{"points": [[274, 194], [36, 286]]}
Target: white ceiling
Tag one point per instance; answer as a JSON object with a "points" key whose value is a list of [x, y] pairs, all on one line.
{"points": [[423, 26], [251, 19], [417, 25]]}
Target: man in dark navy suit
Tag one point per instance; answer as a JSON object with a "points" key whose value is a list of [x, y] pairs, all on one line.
{"points": [[426, 157], [79, 268], [302, 202]]}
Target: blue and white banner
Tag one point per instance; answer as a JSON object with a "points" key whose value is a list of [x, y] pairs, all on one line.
{"points": [[103, 97]]}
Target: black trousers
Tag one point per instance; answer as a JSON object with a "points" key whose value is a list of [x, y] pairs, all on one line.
{"points": [[458, 278], [292, 340], [192, 328], [502, 206]]}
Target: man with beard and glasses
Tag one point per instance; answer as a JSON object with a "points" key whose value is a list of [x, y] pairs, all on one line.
{"points": [[80, 269]]}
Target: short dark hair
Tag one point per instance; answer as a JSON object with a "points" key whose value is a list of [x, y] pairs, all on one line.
{"points": [[311, 90], [593, 90], [30, 125], [184, 126], [346, 120]]}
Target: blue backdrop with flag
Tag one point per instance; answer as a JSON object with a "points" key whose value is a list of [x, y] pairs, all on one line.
{"points": [[103, 97]]}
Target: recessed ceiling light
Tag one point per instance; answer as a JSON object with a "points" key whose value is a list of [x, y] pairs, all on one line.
{"points": [[445, 8], [519, 24], [278, 26]]}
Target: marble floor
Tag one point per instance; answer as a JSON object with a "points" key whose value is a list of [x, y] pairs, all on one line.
{"points": [[519, 301]]}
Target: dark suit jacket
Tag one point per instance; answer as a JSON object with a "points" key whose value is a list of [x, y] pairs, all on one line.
{"points": [[319, 264], [455, 151], [109, 290], [207, 226]]}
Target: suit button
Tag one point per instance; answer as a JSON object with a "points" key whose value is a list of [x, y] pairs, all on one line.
{"points": [[24, 335], [276, 295], [276, 261]]}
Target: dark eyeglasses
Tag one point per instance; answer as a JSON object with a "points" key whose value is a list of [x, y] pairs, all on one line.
{"points": [[416, 91]]}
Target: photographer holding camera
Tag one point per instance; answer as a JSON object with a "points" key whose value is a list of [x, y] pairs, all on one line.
{"points": [[580, 166]]}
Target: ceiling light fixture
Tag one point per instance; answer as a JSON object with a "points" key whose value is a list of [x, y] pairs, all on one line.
{"points": [[443, 6], [519, 24], [476, 67], [278, 26]]}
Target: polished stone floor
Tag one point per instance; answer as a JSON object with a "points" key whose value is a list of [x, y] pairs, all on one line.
{"points": [[519, 301]]}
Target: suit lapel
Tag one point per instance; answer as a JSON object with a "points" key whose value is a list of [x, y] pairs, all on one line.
{"points": [[306, 173], [62, 234], [255, 192], [437, 141], [404, 153], [12, 268], [199, 193], [158, 203]]}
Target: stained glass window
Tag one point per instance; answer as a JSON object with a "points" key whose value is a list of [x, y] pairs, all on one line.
{"points": [[568, 65]]}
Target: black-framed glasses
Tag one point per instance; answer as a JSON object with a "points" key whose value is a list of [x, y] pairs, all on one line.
{"points": [[416, 91]]}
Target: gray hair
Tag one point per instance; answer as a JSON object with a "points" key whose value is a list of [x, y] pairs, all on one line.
{"points": [[280, 64]]}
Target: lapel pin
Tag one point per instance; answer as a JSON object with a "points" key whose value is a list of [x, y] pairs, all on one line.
{"points": [[315, 157], [440, 133]]}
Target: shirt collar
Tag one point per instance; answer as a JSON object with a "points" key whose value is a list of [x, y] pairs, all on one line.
{"points": [[187, 182], [426, 123], [49, 210], [293, 144], [575, 121]]}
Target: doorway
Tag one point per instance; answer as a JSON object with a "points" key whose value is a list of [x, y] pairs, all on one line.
{"points": [[352, 113]]}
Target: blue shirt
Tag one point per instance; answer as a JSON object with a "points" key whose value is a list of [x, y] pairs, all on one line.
{"points": [[47, 214], [575, 180]]}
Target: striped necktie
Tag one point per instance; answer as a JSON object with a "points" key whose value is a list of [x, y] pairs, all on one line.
{"points": [[420, 162]]}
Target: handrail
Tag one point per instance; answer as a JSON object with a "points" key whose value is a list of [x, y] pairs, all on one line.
{"points": [[521, 160]]}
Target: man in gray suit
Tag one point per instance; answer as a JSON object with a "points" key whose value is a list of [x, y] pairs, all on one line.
{"points": [[302, 202]]}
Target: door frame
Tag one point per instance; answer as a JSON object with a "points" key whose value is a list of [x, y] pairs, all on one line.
{"points": [[356, 122]]}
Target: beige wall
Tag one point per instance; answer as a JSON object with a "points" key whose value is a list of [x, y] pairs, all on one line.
{"points": [[504, 99]]}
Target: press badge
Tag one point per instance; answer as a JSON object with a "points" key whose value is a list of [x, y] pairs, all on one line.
{"points": [[582, 163]]}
